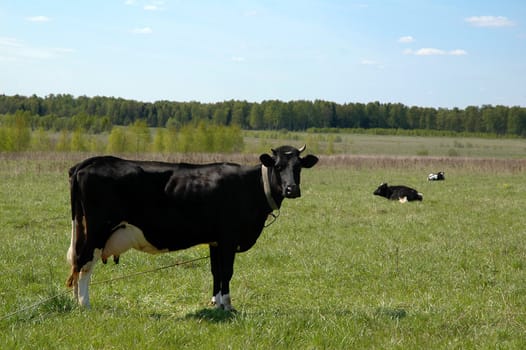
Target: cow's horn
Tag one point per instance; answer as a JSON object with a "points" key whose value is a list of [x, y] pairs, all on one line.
{"points": [[302, 148]]}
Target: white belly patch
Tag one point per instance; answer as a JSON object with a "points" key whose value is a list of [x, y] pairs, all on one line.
{"points": [[125, 237]]}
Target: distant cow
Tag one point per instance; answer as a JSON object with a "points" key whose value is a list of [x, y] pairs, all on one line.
{"points": [[436, 176], [158, 207], [401, 193]]}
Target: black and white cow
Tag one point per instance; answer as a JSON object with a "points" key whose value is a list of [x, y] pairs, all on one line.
{"points": [[159, 207], [401, 193], [436, 176]]}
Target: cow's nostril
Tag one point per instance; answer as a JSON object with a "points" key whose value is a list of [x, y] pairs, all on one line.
{"points": [[292, 191]]}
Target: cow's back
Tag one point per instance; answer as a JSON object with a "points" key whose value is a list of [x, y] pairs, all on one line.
{"points": [[177, 205], [404, 191]]}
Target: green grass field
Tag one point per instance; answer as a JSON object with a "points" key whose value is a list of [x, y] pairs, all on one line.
{"points": [[339, 269], [392, 145]]}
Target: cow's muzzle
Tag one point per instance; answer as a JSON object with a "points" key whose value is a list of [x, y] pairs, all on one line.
{"points": [[292, 191]]}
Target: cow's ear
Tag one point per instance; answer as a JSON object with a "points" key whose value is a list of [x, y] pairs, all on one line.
{"points": [[266, 160], [309, 161]]}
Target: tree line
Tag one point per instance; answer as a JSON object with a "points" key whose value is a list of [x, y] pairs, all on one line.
{"points": [[98, 114], [16, 136]]}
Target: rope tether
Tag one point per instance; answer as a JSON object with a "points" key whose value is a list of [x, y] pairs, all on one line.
{"points": [[101, 282]]}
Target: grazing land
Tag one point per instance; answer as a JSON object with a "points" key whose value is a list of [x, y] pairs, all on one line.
{"points": [[339, 269], [392, 145]]}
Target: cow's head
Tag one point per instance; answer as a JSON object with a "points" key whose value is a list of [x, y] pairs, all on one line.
{"points": [[285, 166], [383, 190]]}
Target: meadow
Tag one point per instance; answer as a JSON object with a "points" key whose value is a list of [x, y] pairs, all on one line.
{"points": [[339, 269], [391, 145]]}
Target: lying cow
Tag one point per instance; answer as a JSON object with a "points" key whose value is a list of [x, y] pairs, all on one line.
{"points": [[401, 193], [436, 176], [159, 207]]}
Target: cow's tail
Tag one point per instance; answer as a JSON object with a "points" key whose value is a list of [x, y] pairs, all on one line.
{"points": [[76, 228]]}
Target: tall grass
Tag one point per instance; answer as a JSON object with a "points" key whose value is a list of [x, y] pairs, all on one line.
{"points": [[339, 269]]}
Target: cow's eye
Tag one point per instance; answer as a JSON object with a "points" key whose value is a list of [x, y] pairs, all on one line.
{"points": [[278, 167]]}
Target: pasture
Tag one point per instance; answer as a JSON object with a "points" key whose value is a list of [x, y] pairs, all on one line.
{"points": [[339, 269], [393, 145]]}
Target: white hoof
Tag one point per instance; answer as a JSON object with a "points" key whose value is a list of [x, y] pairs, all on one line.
{"points": [[223, 302], [227, 303]]}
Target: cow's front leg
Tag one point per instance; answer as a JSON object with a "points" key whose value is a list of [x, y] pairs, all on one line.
{"points": [[216, 275], [222, 265], [227, 271]]}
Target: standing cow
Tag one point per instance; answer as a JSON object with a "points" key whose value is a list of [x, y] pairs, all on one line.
{"points": [[400, 193], [159, 207]]}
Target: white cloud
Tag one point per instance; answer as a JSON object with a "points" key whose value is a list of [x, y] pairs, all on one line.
{"points": [[362, 5], [151, 5], [372, 63], [238, 59], [367, 62], [9, 42], [430, 51], [490, 21], [40, 19], [406, 39], [12, 49], [154, 5], [458, 52], [145, 30]]}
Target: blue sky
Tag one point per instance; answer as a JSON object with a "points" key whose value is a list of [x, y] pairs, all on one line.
{"points": [[429, 53]]}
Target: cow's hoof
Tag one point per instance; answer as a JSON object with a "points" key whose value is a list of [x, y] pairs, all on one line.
{"points": [[229, 308], [221, 306]]}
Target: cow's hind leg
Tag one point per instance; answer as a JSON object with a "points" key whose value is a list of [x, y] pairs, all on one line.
{"points": [[72, 281], [77, 241], [85, 277]]}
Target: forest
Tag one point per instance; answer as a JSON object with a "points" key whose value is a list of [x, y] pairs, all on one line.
{"points": [[99, 114]]}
